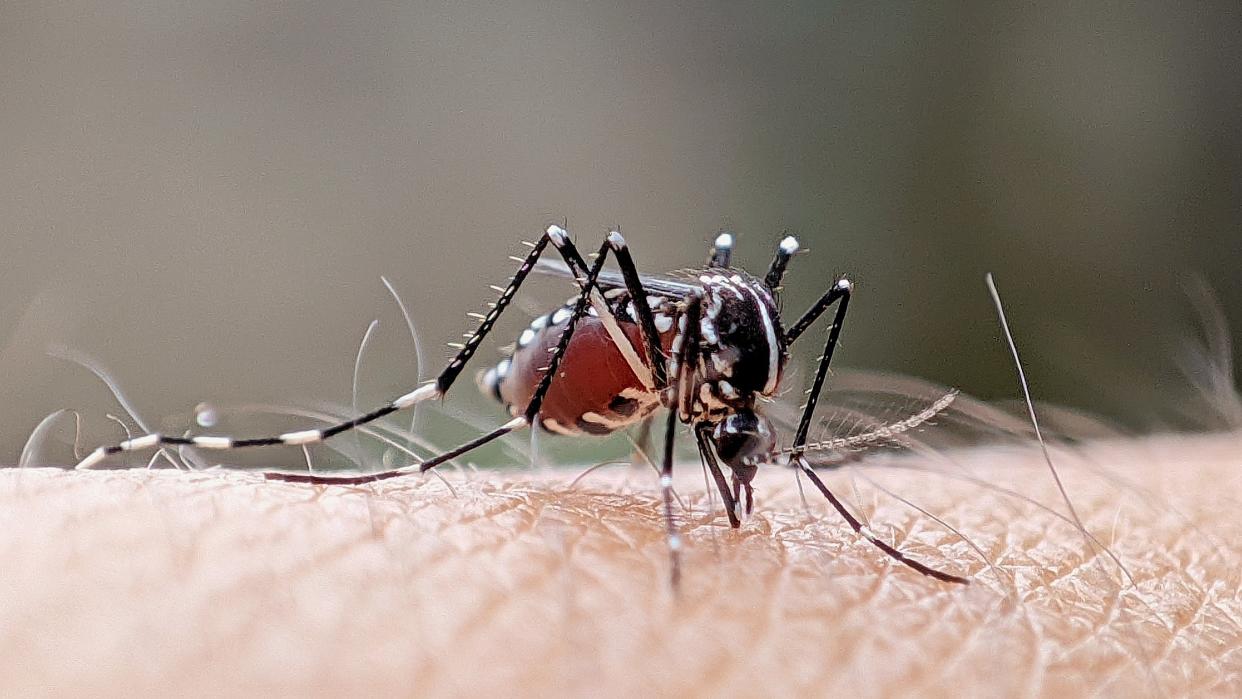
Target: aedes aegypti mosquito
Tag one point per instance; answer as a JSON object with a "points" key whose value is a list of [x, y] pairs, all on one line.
{"points": [[706, 344]]}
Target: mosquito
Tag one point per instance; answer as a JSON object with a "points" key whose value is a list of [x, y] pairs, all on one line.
{"points": [[708, 345]]}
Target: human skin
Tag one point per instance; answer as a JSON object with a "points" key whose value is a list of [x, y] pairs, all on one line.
{"points": [[217, 582]]}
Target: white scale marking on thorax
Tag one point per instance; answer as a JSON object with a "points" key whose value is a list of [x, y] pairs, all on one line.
{"points": [[773, 349]]}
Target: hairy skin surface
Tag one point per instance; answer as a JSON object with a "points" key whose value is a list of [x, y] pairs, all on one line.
{"points": [[165, 582]]}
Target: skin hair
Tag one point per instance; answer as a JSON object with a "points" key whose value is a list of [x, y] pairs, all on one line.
{"points": [[162, 582]]}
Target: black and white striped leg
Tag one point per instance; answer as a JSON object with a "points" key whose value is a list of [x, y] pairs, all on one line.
{"points": [[642, 309], [573, 259], [578, 268], [666, 489], [776, 271], [561, 241], [650, 372], [722, 250], [681, 370], [840, 292], [303, 437]]}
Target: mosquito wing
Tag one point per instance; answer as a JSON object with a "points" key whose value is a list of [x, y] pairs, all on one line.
{"points": [[674, 285]]}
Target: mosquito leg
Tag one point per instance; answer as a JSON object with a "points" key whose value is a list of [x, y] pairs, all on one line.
{"points": [[702, 433], [685, 346], [651, 371], [858, 528], [840, 292], [840, 289], [302, 437], [722, 250], [578, 269], [784, 253], [561, 241], [666, 489], [642, 309]]}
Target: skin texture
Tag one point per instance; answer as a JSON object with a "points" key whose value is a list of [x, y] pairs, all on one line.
{"points": [[123, 582]]}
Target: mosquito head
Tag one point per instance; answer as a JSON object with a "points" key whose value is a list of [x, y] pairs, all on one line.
{"points": [[744, 440]]}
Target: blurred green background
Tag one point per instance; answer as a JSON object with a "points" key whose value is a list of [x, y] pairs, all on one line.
{"points": [[203, 195]]}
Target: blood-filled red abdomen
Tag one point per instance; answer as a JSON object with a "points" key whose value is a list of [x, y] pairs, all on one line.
{"points": [[595, 390]]}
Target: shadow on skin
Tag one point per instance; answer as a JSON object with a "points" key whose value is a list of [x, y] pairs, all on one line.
{"points": [[166, 582]]}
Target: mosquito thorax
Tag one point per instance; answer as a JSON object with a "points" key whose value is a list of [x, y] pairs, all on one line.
{"points": [[743, 347]]}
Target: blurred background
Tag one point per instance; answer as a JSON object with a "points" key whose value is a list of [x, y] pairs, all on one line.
{"points": [[203, 196]]}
